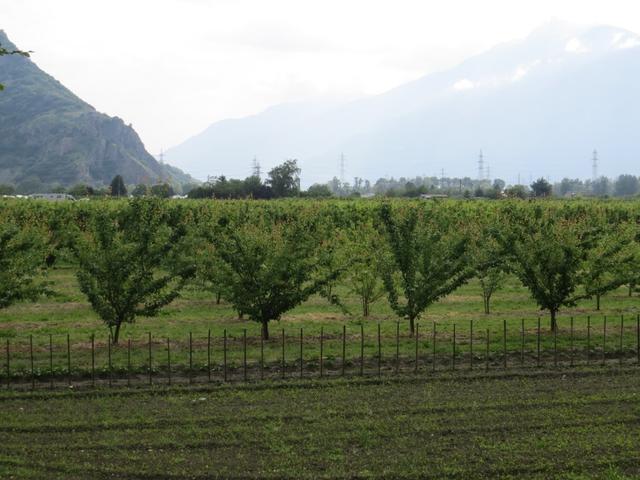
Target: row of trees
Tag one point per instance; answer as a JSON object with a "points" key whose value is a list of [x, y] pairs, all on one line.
{"points": [[282, 181], [265, 260], [622, 186]]}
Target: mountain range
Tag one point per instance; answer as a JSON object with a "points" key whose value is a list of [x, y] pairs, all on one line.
{"points": [[536, 107], [51, 137]]}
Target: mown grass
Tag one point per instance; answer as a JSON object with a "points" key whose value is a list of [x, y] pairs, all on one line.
{"points": [[196, 313], [577, 424]]}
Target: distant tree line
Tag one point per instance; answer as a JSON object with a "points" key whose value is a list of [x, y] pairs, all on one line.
{"points": [[625, 185], [282, 181], [117, 188]]}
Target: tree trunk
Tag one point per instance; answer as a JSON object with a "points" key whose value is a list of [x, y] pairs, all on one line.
{"points": [[365, 308], [554, 323], [598, 301], [265, 330], [631, 286], [486, 304], [412, 326], [116, 334], [218, 296]]}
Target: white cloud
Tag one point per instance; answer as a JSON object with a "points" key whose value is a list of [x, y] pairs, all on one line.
{"points": [[575, 46], [464, 84], [630, 43], [523, 70]]}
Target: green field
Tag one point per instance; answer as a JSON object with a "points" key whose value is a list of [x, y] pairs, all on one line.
{"points": [[578, 424]]}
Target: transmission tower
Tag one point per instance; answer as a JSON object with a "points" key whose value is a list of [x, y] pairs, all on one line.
{"points": [[255, 167], [342, 176], [161, 156], [481, 166], [594, 165]]}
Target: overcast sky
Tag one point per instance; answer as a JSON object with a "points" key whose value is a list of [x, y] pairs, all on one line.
{"points": [[172, 67]]}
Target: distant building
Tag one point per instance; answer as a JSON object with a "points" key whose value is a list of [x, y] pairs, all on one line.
{"points": [[53, 197]]}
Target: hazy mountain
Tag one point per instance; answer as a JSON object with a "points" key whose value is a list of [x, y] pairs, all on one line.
{"points": [[536, 106], [52, 137]]}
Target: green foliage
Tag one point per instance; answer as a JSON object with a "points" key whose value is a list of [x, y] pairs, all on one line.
{"points": [[118, 188], [162, 190], [223, 188], [22, 263], [607, 263], [626, 186], [547, 252], [271, 266], [81, 190], [284, 179], [120, 258], [541, 188], [363, 250], [140, 190], [491, 269], [429, 252], [7, 189], [318, 191]]}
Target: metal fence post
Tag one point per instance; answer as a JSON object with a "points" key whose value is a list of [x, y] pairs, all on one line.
{"points": [[261, 357], [33, 374], [361, 349], [572, 347], [588, 340], [344, 347], [504, 344], [69, 359], [538, 360], [522, 342], [604, 341], [169, 359], [637, 338], [8, 365], [302, 360], [93, 360], [434, 347], [224, 356], [379, 351], [621, 338], [555, 344], [283, 355], [471, 344], [486, 366], [321, 351], [453, 349], [415, 367], [150, 360], [109, 361], [51, 360], [209, 355], [397, 347], [190, 357], [244, 352]]}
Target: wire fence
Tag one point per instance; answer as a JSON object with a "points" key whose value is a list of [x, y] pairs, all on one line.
{"points": [[55, 361]]}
